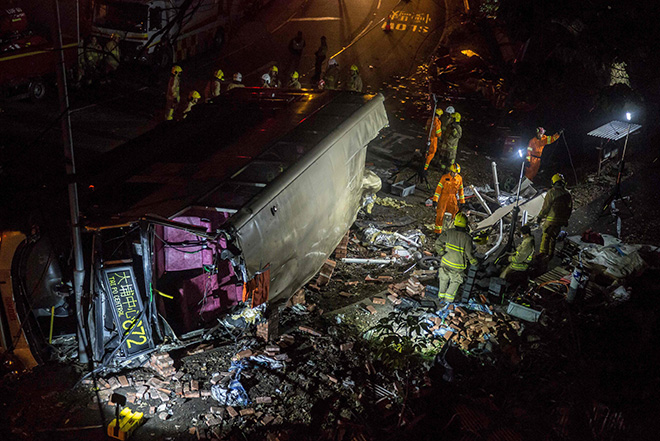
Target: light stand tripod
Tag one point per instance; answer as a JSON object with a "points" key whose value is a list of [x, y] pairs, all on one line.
{"points": [[514, 212]]}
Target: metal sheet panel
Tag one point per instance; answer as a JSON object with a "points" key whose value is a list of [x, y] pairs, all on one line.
{"points": [[532, 207], [614, 130], [300, 218]]}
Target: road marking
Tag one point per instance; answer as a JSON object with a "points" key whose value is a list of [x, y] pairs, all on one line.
{"points": [[316, 19]]}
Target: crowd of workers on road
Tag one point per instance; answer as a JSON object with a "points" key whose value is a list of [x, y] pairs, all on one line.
{"points": [[455, 245], [217, 85]]}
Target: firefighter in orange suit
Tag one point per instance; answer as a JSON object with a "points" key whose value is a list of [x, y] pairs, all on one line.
{"points": [[535, 150], [436, 132], [445, 196]]}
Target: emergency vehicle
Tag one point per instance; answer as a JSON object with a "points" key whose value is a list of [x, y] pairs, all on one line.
{"points": [[161, 32]]}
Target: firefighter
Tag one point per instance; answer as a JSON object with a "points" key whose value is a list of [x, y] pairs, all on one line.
{"points": [[296, 46], [112, 54], [237, 81], [355, 80], [293, 82], [274, 80], [265, 81], [214, 86], [319, 58], [331, 77], [193, 99], [456, 249], [520, 260], [444, 198], [449, 141], [173, 92], [556, 210], [535, 150], [91, 59], [436, 132]]}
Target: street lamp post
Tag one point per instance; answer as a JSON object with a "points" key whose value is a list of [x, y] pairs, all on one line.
{"points": [[616, 193]]}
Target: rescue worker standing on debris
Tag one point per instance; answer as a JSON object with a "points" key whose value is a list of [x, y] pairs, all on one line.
{"points": [[355, 80], [556, 210], [237, 81], [520, 260], [444, 198], [456, 249], [331, 77], [436, 132], [449, 141], [173, 92], [535, 150], [214, 86], [296, 46]]}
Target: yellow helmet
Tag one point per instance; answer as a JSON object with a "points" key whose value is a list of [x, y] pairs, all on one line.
{"points": [[295, 75], [457, 116], [558, 177], [455, 168], [176, 69], [438, 111], [354, 68], [460, 220], [274, 69], [219, 74], [194, 95]]}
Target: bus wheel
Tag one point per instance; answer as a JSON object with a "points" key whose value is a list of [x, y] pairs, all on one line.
{"points": [[37, 89]]}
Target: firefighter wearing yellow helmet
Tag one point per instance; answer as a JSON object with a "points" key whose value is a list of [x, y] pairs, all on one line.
{"points": [[274, 81], [457, 251], [214, 86], [355, 80], [294, 83], [556, 210], [112, 54], [449, 141], [193, 98], [444, 199], [173, 94]]}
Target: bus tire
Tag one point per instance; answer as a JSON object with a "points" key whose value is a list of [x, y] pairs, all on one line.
{"points": [[36, 89]]}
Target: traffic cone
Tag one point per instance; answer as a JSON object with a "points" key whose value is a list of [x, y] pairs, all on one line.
{"points": [[388, 23]]}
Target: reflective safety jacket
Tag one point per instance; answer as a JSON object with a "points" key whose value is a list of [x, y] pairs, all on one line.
{"points": [[448, 186], [355, 83], [173, 89], [436, 131], [557, 206], [524, 253], [453, 133], [456, 248], [536, 145]]}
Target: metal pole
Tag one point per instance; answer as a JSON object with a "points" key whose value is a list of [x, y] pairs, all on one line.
{"points": [[67, 139], [496, 182], [522, 170]]}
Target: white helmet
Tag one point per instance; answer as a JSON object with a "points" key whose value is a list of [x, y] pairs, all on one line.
{"points": [[266, 77], [238, 77], [332, 62], [450, 110]]}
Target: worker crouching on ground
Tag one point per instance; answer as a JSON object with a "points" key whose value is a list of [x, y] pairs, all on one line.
{"points": [[449, 141], [520, 260], [331, 77], [535, 150], [556, 210], [456, 249], [274, 78], [444, 198], [214, 86], [294, 83], [173, 92], [193, 99]]}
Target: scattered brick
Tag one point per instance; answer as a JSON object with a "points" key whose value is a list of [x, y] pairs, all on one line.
{"points": [[346, 346], [123, 381], [309, 330], [371, 309], [191, 394], [267, 419], [352, 283], [243, 354], [272, 348], [194, 385], [378, 300], [427, 253], [332, 379], [246, 412], [232, 412], [264, 400], [219, 411], [345, 294]]}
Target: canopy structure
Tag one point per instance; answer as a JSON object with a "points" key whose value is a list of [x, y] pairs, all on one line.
{"points": [[614, 130]]}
